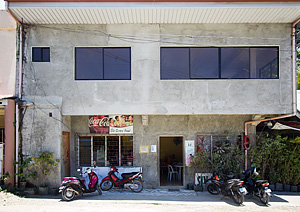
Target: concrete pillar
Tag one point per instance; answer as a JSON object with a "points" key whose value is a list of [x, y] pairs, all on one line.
{"points": [[9, 120]]}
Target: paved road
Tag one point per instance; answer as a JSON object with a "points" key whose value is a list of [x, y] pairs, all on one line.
{"points": [[149, 200]]}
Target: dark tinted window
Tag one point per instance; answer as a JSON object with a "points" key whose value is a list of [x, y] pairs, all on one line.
{"points": [[88, 63], [94, 63], [266, 62], [117, 63], [235, 63], [40, 54], [204, 63], [174, 63], [220, 63]]}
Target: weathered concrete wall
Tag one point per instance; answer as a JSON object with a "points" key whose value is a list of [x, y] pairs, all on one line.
{"points": [[145, 93], [41, 133], [179, 107], [188, 126]]}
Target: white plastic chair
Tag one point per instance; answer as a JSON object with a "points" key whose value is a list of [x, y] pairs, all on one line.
{"points": [[171, 171]]}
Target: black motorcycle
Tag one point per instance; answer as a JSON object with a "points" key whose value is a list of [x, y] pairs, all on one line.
{"points": [[228, 187], [258, 188]]}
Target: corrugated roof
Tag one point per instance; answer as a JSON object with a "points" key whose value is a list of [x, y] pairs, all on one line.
{"points": [[118, 13]]}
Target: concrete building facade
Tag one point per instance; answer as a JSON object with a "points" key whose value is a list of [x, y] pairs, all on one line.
{"points": [[64, 107]]}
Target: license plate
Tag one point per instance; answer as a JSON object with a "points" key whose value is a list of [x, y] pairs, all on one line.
{"points": [[243, 190], [267, 190]]}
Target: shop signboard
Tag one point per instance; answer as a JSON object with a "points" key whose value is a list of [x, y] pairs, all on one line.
{"points": [[189, 151], [111, 124]]}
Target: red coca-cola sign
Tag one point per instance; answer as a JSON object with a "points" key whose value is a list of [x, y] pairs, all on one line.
{"points": [[99, 124]]}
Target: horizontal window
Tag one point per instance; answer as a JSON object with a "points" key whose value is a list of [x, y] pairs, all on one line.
{"points": [[105, 150], [219, 63], [92, 63], [40, 54]]}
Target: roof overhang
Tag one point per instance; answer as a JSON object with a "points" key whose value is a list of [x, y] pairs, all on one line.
{"points": [[96, 12]]}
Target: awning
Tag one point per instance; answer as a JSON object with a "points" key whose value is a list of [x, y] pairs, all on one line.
{"points": [[279, 126]]}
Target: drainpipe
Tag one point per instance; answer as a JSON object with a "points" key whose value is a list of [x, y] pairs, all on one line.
{"points": [[294, 90], [19, 87]]}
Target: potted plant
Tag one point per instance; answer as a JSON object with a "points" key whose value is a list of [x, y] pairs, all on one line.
{"points": [[44, 163], [200, 162], [23, 172]]}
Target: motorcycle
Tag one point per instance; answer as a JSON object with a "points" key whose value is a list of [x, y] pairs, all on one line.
{"points": [[73, 186], [133, 180], [258, 188], [228, 187]]}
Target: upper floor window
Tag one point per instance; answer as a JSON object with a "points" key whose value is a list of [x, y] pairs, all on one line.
{"points": [[219, 63], [40, 54], [94, 63]]}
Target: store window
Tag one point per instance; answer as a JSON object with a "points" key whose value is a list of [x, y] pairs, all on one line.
{"points": [[93, 63], [105, 150], [219, 63], [40, 54]]}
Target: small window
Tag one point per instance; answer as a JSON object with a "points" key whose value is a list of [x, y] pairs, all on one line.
{"points": [[40, 54], [94, 63]]}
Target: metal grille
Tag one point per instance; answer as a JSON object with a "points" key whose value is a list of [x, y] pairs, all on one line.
{"points": [[104, 150], [127, 150]]}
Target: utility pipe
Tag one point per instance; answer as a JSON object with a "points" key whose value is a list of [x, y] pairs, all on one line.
{"points": [[19, 87], [294, 90]]}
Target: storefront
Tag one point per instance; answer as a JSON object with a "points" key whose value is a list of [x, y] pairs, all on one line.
{"points": [[148, 146]]}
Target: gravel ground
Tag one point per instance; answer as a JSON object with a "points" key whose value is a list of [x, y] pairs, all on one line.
{"points": [[148, 200]]}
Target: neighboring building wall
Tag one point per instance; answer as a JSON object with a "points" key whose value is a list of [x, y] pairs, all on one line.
{"points": [[7, 55]]}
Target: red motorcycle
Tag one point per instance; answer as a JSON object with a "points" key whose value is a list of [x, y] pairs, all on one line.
{"points": [[133, 180], [73, 186]]}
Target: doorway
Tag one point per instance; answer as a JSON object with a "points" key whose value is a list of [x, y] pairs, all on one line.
{"points": [[66, 152], [171, 161]]}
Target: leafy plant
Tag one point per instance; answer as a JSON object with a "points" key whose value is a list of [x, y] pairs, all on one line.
{"points": [[44, 163], [23, 171]]}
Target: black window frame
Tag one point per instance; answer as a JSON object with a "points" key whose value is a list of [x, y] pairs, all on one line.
{"points": [[42, 54], [102, 61], [276, 64]]}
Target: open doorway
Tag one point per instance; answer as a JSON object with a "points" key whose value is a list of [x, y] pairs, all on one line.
{"points": [[171, 161]]}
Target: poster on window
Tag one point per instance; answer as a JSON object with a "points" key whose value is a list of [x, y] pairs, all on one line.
{"points": [[121, 124], [99, 124], [111, 124], [189, 151]]}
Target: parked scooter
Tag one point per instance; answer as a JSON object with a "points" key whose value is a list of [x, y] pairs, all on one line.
{"points": [[258, 188], [228, 187], [133, 180], [73, 186]]}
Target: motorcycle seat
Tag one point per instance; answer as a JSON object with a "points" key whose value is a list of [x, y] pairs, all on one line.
{"points": [[71, 178], [127, 175], [261, 181]]}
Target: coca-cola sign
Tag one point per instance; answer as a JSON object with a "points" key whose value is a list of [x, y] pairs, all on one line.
{"points": [[99, 124], [113, 124]]}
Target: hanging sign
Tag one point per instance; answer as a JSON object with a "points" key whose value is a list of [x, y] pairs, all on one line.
{"points": [[117, 124], [189, 151]]}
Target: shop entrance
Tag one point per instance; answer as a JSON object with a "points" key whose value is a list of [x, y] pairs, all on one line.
{"points": [[171, 161]]}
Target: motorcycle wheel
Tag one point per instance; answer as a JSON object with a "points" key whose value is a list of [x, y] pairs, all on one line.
{"points": [[264, 197], [99, 189], [106, 185], [213, 189], [136, 185], [238, 197], [68, 193]]}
